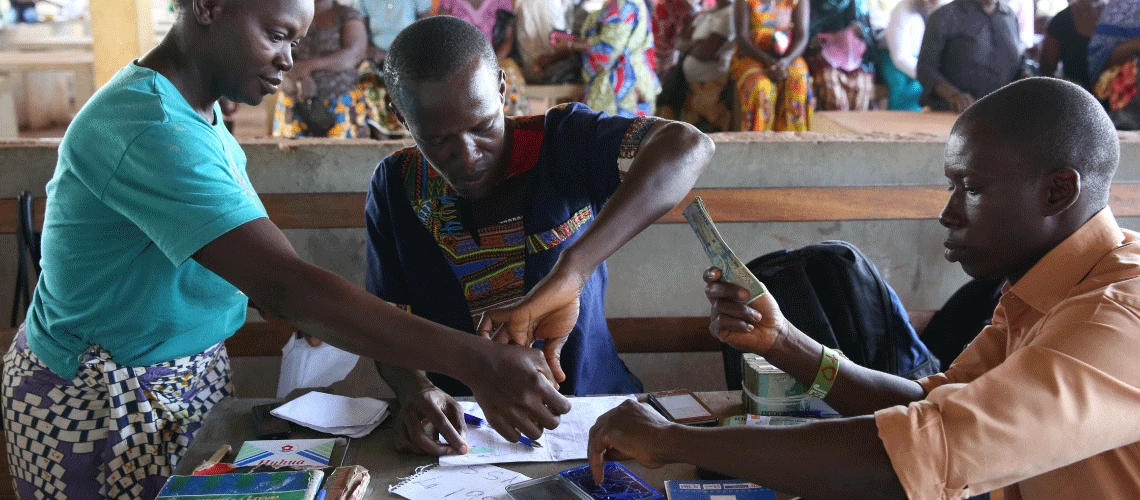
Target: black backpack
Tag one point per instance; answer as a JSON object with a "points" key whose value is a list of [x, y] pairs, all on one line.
{"points": [[831, 292]]}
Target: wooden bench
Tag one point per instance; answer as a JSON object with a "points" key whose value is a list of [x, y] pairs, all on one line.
{"points": [[631, 335]]}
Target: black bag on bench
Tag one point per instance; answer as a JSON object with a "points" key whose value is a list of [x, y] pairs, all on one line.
{"points": [[833, 293]]}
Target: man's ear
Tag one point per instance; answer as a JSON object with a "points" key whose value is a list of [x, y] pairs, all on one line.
{"points": [[399, 116], [1063, 187], [503, 87], [206, 11]]}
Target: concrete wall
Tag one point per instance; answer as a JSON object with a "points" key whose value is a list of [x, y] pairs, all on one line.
{"points": [[657, 273]]}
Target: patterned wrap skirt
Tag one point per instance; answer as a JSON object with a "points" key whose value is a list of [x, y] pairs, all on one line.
{"points": [[112, 431]]}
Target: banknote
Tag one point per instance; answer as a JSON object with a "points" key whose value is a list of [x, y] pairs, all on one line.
{"points": [[721, 256]]}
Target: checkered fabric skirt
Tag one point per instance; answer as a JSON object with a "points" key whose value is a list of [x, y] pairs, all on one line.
{"points": [[112, 431]]}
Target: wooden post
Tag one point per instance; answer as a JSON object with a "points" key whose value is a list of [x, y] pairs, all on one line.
{"points": [[121, 31]]}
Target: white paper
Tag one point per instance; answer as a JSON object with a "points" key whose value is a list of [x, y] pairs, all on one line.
{"points": [[304, 366], [485, 482], [352, 417], [566, 442]]}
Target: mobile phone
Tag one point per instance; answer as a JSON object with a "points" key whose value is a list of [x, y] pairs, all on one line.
{"points": [[557, 35], [269, 426], [682, 407]]}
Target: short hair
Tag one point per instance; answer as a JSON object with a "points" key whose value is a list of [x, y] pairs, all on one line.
{"points": [[1049, 124], [432, 49]]}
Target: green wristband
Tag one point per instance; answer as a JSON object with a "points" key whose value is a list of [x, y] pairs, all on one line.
{"points": [[828, 370]]}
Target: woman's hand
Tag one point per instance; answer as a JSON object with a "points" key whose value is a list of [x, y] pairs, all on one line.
{"points": [[548, 313], [778, 70], [751, 327], [430, 406]]}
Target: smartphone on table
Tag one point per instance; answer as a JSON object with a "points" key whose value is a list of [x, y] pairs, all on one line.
{"points": [[682, 407]]}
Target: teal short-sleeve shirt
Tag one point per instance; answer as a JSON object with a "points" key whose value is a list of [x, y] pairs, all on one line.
{"points": [[142, 183]]}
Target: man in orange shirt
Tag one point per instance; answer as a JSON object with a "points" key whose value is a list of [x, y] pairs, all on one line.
{"points": [[1044, 402]]}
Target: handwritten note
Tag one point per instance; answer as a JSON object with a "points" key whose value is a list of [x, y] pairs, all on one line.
{"points": [[485, 482], [565, 442]]}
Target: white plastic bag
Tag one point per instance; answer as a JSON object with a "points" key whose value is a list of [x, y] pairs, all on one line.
{"points": [[303, 365]]}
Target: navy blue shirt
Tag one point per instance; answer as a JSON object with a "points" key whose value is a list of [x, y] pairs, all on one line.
{"points": [[423, 258]]}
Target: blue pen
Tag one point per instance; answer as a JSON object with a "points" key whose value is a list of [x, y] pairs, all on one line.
{"points": [[472, 420]]}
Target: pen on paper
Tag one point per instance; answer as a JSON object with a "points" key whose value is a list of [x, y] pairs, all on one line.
{"points": [[472, 420]]}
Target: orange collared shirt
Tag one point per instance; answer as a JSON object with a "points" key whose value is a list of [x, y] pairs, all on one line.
{"points": [[1046, 402]]}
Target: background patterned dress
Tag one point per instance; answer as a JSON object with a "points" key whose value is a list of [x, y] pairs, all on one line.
{"points": [[617, 68], [339, 91], [766, 104]]}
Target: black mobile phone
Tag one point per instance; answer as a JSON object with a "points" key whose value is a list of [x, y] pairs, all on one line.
{"points": [[682, 407], [268, 426]]}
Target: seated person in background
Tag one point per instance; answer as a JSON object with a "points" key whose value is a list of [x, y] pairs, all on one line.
{"points": [[503, 40], [536, 20], [773, 86], [1067, 41], [616, 48], [386, 18], [485, 210], [1041, 403], [1114, 54], [842, 54], [970, 49], [321, 96], [900, 61], [23, 11], [480, 13], [670, 19], [709, 48]]}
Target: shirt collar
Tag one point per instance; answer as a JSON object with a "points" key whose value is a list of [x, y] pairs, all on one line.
{"points": [[1049, 281]]}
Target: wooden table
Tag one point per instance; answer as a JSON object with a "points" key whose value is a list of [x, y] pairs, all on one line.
{"points": [[230, 423]]}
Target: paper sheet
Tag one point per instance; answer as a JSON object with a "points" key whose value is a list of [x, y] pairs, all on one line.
{"points": [[352, 417], [567, 442], [485, 482], [303, 366]]}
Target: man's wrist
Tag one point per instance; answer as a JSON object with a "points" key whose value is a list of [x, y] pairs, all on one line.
{"points": [[667, 445], [796, 354]]}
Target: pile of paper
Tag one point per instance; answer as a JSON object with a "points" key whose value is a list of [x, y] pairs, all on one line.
{"points": [[352, 417]]}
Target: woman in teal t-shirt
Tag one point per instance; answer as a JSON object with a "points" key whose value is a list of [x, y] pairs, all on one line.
{"points": [[153, 239]]}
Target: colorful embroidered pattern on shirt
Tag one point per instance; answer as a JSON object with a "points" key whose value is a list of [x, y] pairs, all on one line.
{"points": [[631, 143], [549, 239]]}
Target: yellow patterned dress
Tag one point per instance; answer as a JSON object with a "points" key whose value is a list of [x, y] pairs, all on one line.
{"points": [[766, 104]]}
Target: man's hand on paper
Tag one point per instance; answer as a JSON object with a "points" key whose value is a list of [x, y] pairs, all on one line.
{"points": [[548, 313], [430, 406], [751, 327], [629, 431], [515, 388]]}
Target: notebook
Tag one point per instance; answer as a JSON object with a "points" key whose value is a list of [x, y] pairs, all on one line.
{"points": [[285, 485], [717, 490]]}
